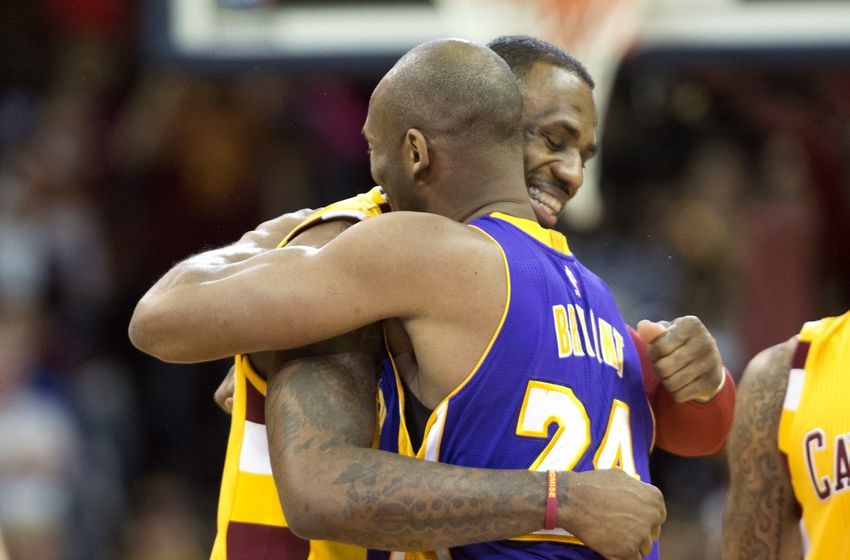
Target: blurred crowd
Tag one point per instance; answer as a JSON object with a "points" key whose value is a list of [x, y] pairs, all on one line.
{"points": [[727, 196]]}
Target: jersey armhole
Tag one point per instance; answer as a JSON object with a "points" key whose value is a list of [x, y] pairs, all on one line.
{"points": [[793, 394]]}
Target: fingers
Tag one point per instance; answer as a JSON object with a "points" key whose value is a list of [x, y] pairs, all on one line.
{"points": [[226, 405], [688, 375], [686, 353], [303, 213], [689, 383], [710, 393], [655, 532], [646, 547], [223, 395], [649, 331], [676, 335], [696, 389], [629, 531]]}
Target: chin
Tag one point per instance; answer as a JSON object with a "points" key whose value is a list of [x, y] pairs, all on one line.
{"points": [[544, 218]]}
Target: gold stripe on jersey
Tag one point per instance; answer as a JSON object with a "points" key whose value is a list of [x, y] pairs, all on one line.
{"points": [[814, 433], [549, 237], [358, 208], [431, 442], [247, 509], [227, 494], [431, 439], [405, 448], [250, 499]]}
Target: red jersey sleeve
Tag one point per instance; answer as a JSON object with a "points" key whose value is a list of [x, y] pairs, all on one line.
{"points": [[688, 429]]}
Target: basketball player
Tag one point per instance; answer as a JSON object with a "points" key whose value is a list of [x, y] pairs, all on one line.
{"points": [[686, 351], [789, 456], [465, 164], [250, 519], [258, 536]]}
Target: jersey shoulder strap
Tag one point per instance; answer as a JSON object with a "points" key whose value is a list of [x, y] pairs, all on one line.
{"points": [[354, 209]]}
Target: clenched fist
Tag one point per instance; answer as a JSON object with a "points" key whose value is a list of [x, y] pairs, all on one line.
{"points": [[685, 357]]}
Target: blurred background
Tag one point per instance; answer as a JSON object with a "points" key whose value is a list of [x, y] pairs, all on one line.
{"points": [[134, 133]]}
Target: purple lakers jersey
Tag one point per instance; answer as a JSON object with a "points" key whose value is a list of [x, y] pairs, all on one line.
{"points": [[559, 387]]}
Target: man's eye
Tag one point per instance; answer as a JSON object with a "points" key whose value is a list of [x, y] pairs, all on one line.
{"points": [[552, 143]]}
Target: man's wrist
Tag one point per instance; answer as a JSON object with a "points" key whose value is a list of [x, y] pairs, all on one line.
{"points": [[551, 500]]}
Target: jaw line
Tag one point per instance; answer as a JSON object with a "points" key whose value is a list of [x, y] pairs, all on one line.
{"points": [[544, 217], [543, 208]]}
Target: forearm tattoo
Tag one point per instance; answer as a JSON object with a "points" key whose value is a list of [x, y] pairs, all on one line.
{"points": [[321, 416], [760, 505]]}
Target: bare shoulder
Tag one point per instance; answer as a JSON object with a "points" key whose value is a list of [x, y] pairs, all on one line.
{"points": [[419, 236], [761, 393], [766, 376], [760, 517], [428, 263], [414, 224]]}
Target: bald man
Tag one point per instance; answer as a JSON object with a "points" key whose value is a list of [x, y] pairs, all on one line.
{"points": [[453, 304], [559, 119]]}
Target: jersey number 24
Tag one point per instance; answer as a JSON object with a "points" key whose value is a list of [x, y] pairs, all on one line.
{"points": [[546, 403]]}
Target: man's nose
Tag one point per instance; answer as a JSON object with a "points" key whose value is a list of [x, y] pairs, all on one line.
{"points": [[568, 169]]}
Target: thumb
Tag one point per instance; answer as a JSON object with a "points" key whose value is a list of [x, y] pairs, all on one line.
{"points": [[649, 331]]}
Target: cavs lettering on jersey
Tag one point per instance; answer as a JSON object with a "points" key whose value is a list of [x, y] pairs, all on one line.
{"points": [[559, 387], [814, 433], [251, 525]]}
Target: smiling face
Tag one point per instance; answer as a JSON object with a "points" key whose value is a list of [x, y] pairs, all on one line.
{"points": [[559, 122]]}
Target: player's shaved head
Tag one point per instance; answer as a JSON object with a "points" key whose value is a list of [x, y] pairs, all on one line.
{"points": [[445, 130], [452, 88]]}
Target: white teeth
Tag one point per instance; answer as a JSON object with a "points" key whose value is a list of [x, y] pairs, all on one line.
{"points": [[552, 204]]}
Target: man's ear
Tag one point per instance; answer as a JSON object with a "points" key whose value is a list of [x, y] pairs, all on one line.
{"points": [[417, 153]]}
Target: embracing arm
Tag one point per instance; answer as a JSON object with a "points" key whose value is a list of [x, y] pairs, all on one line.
{"points": [[143, 328], [206, 307], [320, 414], [761, 518], [680, 365]]}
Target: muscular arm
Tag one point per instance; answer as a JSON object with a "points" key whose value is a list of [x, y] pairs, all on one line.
{"points": [[333, 485], [321, 415], [204, 309], [760, 519]]}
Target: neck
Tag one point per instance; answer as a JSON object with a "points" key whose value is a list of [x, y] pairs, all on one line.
{"points": [[464, 192], [518, 208]]}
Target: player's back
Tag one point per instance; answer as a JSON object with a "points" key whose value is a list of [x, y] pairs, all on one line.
{"points": [[559, 386], [814, 433]]}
